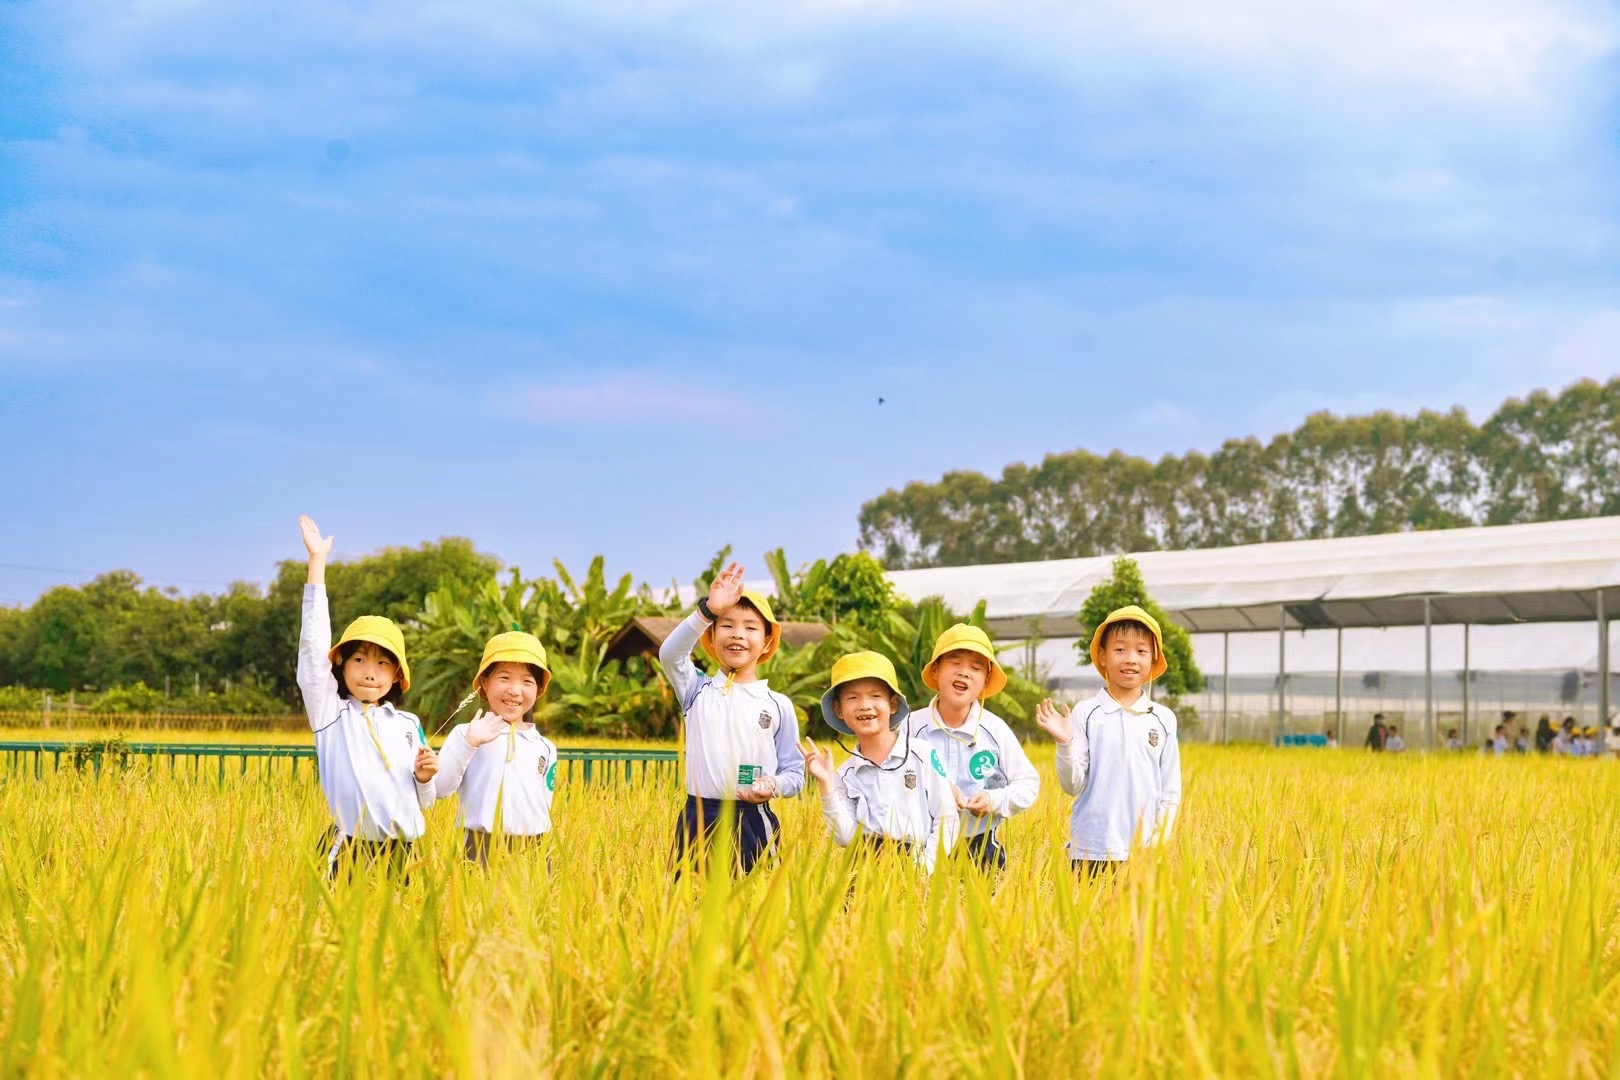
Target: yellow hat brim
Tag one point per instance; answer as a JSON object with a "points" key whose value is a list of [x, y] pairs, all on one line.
{"points": [[514, 648], [773, 629], [371, 629], [1132, 614], [961, 638]]}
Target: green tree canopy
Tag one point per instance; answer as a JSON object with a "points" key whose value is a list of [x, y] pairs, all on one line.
{"points": [[1542, 458], [1124, 588]]}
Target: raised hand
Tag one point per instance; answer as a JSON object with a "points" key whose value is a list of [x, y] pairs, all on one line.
{"points": [[427, 764], [1055, 720], [318, 546], [483, 728], [726, 589], [818, 763]]}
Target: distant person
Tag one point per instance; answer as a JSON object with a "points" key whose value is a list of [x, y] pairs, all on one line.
{"points": [[1499, 741], [1454, 740], [742, 737], [1589, 742], [1377, 733], [1611, 740], [892, 793], [1521, 745], [991, 776], [1332, 738], [1563, 744], [1118, 753], [1393, 741], [500, 768], [376, 767], [1545, 736]]}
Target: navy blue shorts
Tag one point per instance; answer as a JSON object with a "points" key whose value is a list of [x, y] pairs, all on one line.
{"points": [[754, 831], [987, 851]]}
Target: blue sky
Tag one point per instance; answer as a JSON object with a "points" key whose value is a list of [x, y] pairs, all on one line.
{"points": [[630, 277]]}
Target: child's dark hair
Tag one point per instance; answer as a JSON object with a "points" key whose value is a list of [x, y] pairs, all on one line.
{"points": [[395, 693], [536, 670], [1114, 629]]}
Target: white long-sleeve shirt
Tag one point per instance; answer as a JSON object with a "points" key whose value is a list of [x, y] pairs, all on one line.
{"points": [[983, 755], [366, 754], [907, 799], [733, 729], [485, 780], [1124, 767]]}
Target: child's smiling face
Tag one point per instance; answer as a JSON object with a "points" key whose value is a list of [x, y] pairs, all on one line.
{"points": [[1127, 657], [866, 705], [510, 688], [739, 636], [962, 674], [369, 673]]}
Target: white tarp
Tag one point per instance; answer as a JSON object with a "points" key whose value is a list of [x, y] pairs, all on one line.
{"points": [[1501, 574]]}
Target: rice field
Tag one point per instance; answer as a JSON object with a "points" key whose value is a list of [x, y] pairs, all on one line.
{"points": [[1315, 913]]}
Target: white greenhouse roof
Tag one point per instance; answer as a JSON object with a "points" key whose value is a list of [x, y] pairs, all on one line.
{"points": [[1543, 572]]}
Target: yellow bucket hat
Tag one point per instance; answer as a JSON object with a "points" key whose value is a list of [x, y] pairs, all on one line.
{"points": [[382, 632], [515, 647], [863, 665], [1132, 613], [773, 629], [974, 640]]}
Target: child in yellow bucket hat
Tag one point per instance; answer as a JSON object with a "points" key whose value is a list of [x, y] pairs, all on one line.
{"points": [[499, 764], [741, 736], [991, 776], [376, 767], [1118, 753], [887, 791]]}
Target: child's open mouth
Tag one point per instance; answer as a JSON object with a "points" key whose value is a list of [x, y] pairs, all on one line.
{"points": [[961, 686]]}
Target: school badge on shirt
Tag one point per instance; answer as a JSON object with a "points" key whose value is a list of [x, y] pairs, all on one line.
{"points": [[1153, 736], [764, 721], [911, 780]]}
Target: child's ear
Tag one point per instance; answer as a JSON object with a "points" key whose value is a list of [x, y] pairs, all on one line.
{"points": [[838, 708]]}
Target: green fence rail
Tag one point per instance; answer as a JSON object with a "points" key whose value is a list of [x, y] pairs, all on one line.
{"points": [[219, 760]]}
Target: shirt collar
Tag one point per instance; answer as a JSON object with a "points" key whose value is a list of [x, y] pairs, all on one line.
{"points": [[898, 751], [1143, 706], [968, 733]]}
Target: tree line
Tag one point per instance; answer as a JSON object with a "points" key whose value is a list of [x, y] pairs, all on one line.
{"points": [[116, 645], [1545, 457]]}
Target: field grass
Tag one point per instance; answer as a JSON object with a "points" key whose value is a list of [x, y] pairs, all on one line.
{"points": [[1315, 913]]}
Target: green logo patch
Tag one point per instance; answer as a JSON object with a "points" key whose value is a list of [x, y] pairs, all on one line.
{"points": [[939, 766], [551, 777], [982, 764]]}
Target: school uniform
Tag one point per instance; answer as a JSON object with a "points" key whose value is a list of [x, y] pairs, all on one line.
{"points": [[983, 755], [1124, 767], [906, 800], [366, 753], [1395, 744], [737, 733], [503, 786]]}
